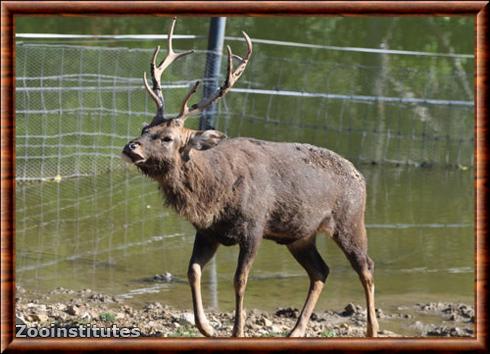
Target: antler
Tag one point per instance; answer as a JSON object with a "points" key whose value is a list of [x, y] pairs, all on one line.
{"points": [[156, 74], [232, 77]]}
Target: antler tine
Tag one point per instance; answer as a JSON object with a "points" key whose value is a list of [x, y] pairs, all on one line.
{"points": [[232, 77], [229, 71], [184, 111], [157, 71], [171, 55], [150, 91]]}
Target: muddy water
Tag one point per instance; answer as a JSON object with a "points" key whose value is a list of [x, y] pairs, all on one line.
{"points": [[111, 233]]}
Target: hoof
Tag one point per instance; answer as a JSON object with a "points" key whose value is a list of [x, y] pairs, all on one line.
{"points": [[206, 330], [296, 334], [372, 333], [237, 333]]}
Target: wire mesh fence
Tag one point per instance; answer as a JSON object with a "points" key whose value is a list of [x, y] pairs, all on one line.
{"points": [[77, 106]]}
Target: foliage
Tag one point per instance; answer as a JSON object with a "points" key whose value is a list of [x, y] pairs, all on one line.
{"points": [[107, 317]]}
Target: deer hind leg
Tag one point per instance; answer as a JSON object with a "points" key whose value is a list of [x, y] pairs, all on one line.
{"points": [[305, 252], [354, 246], [204, 249]]}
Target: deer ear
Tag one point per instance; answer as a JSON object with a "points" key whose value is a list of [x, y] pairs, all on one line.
{"points": [[202, 140], [206, 139]]}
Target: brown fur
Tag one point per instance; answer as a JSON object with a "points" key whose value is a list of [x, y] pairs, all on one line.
{"points": [[241, 190]]}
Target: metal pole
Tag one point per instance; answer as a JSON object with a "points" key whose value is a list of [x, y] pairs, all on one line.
{"points": [[216, 38]]}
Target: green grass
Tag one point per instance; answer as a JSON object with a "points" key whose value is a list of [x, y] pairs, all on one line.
{"points": [[107, 317], [185, 331], [328, 334]]}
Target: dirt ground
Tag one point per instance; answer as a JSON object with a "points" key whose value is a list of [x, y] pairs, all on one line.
{"points": [[67, 308]]}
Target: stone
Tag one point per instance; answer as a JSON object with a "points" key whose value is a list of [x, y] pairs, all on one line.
{"points": [[287, 312], [85, 316], [165, 277], [266, 322], [349, 310], [39, 317], [184, 319], [73, 310], [276, 329]]}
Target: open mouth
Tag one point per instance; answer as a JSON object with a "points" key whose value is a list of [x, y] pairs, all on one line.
{"points": [[132, 157]]}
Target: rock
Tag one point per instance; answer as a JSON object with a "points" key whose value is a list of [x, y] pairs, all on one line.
{"points": [[450, 311], [215, 323], [184, 319], [316, 327], [386, 333], [101, 298], [155, 306], [287, 312], [466, 311], [454, 317], [418, 326], [35, 306], [156, 319], [127, 309], [349, 310], [39, 317], [275, 329], [19, 320], [72, 310], [85, 316], [56, 314], [59, 307], [61, 290], [433, 307], [165, 277], [264, 322], [262, 331], [443, 331]]}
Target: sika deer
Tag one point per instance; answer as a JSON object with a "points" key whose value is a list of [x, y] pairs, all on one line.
{"points": [[238, 191]]}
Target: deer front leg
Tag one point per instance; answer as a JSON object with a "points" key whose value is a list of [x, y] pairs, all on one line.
{"points": [[245, 260], [204, 249], [305, 252]]}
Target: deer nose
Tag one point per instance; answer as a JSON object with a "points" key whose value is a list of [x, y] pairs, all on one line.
{"points": [[133, 145]]}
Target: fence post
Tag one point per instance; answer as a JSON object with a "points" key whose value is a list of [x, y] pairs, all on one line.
{"points": [[211, 74]]}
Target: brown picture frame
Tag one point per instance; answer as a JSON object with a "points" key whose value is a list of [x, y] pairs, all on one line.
{"points": [[11, 9]]}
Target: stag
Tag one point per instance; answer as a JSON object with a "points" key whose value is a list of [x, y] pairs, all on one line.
{"points": [[239, 191]]}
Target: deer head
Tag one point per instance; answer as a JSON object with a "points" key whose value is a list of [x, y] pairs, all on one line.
{"points": [[166, 141]]}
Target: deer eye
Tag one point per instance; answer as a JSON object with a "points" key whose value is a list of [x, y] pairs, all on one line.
{"points": [[166, 139], [145, 129]]}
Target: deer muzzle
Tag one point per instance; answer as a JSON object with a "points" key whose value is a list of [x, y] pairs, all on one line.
{"points": [[133, 153]]}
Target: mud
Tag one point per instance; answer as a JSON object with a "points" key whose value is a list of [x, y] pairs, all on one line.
{"points": [[66, 307]]}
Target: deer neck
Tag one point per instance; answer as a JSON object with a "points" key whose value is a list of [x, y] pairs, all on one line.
{"points": [[192, 188]]}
